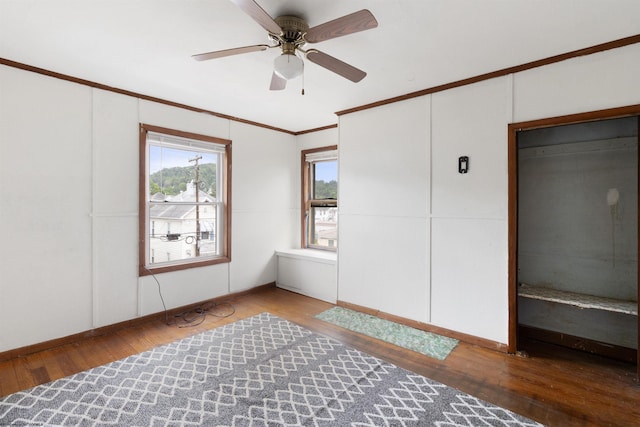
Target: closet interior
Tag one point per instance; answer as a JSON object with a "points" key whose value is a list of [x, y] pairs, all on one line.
{"points": [[577, 244]]}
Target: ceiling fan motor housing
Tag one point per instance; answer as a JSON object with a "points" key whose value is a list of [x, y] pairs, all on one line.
{"points": [[293, 29]]}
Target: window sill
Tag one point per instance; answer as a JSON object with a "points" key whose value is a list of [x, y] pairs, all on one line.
{"points": [[315, 255], [145, 271]]}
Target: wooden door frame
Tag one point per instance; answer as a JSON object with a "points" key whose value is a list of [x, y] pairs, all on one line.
{"points": [[513, 129]]}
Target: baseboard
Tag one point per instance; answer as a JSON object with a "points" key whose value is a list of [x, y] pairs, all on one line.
{"points": [[611, 351], [70, 339], [469, 339]]}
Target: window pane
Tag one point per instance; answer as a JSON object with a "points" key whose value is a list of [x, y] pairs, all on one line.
{"points": [[325, 185], [183, 209], [320, 198], [324, 227], [176, 234], [170, 170]]}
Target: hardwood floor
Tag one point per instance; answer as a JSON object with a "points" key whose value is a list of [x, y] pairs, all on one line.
{"points": [[554, 386]]}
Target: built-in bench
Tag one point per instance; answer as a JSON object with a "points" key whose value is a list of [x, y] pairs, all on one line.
{"points": [[309, 272]]}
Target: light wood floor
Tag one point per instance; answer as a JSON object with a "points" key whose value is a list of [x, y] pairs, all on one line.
{"points": [[554, 386]]}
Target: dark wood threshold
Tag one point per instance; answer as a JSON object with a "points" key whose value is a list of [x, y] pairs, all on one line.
{"points": [[104, 330], [469, 339], [611, 351]]}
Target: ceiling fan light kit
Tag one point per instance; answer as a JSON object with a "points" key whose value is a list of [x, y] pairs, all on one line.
{"points": [[290, 33], [288, 66]]}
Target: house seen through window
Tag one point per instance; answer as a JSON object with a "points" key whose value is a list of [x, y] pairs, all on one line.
{"points": [[320, 200], [184, 200]]}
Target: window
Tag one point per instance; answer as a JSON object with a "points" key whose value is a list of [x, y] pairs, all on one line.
{"points": [[184, 200], [320, 198]]}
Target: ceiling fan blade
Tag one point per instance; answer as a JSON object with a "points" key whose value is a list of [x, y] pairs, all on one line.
{"points": [[229, 52], [258, 14], [347, 71], [348, 24], [277, 82]]}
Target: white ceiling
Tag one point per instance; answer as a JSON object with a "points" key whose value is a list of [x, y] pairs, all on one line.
{"points": [[145, 46]]}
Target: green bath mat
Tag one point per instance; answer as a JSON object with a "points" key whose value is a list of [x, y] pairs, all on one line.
{"points": [[429, 344]]}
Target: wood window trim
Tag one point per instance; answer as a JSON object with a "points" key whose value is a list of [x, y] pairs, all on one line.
{"points": [[142, 203], [305, 186]]}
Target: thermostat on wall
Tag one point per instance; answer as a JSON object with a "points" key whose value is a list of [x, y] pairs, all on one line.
{"points": [[463, 164]]}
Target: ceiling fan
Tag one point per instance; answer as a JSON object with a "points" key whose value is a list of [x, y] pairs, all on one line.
{"points": [[291, 33]]}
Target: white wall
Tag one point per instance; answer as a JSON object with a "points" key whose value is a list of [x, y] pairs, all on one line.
{"points": [[263, 203], [46, 187], [114, 199], [383, 255], [322, 138], [421, 241], [587, 83], [69, 189], [469, 211]]}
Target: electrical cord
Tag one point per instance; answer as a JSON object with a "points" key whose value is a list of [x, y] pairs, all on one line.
{"points": [[195, 316], [164, 306], [198, 315]]}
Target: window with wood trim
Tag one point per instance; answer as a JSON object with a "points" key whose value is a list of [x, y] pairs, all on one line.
{"points": [[185, 198], [320, 198]]}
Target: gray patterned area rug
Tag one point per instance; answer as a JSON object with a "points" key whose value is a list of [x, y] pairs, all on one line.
{"points": [[260, 371]]}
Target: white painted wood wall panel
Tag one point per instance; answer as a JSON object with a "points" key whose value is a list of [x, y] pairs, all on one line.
{"points": [[469, 211], [115, 153], [384, 264], [115, 269], [263, 169], [470, 121], [469, 288], [182, 287], [383, 255], [170, 117], [115, 207], [603, 80], [45, 182], [264, 179], [322, 138], [255, 235], [384, 160]]}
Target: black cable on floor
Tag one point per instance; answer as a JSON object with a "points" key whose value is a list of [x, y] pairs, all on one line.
{"points": [[199, 314], [195, 316]]}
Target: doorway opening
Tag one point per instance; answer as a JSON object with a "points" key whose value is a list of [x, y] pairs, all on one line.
{"points": [[573, 232]]}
